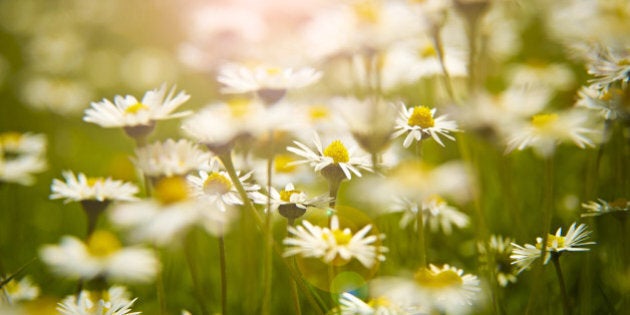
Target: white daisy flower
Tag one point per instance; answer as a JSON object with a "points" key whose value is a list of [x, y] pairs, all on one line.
{"points": [[170, 158], [437, 213], [129, 112], [101, 256], [79, 188], [21, 169], [620, 206], [573, 241], [18, 291], [609, 103], [163, 219], [545, 131], [609, 66], [218, 189], [292, 203], [434, 289], [496, 255], [22, 143], [335, 154], [352, 305], [334, 245], [269, 83], [420, 122], [114, 301]]}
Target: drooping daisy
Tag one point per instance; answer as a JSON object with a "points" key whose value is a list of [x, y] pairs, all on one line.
{"points": [[80, 188], [18, 291], [127, 112], [114, 301], [269, 83], [218, 189], [436, 289], [352, 305], [420, 123], [102, 256], [333, 245], [573, 241], [545, 131], [438, 214], [495, 256], [164, 218], [620, 206], [334, 156], [170, 158]]}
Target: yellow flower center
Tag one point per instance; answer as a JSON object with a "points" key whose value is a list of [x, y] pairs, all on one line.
{"points": [[551, 239], [10, 138], [12, 287], [92, 181], [437, 280], [428, 51], [379, 302], [543, 120], [239, 107], [217, 184], [273, 70], [341, 238], [337, 151], [367, 11], [421, 117], [610, 94], [282, 163], [171, 190], [436, 199], [318, 112], [102, 244], [285, 195], [135, 108]]}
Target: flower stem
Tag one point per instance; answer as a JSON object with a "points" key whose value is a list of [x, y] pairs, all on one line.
{"points": [[229, 167], [439, 48], [268, 263], [189, 248], [223, 275], [294, 289], [555, 257], [421, 240]]}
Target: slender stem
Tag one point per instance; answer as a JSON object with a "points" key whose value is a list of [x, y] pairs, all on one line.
{"points": [[268, 263], [189, 248], [294, 289], [421, 241], [229, 167], [223, 275], [471, 31], [439, 48], [161, 292], [555, 257]]}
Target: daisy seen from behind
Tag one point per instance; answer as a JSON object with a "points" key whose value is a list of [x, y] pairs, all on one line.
{"points": [[574, 241], [101, 256], [618, 207], [334, 245], [420, 122]]}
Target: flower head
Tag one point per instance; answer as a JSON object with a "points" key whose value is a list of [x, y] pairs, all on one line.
{"points": [[574, 241], [420, 122], [334, 245], [81, 188], [620, 206], [352, 305], [129, 112], [21, 156], [496, 255], [437, 212], [114, 301], [170, 158], [17, 291]]}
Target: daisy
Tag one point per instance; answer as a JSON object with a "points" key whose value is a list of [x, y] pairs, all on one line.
{"points": [[437, 212], [114, 301], [608, 103], [496, 255], [333, 245], [573, 241], [127, 112], [21, 169], [18, 291], [609, 66], [352, 305], [335, 155], [292, 203], [172, 211], [443, 289], [170, 158], [545, 131], [17, 143], [269, 83], [218, 189], [101, 256], [620, 206], [420, 122], [79, 188]]}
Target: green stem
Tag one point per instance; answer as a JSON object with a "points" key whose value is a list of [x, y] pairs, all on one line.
{"points": [[190, 247], [294, 289], [439, 48], [223, 275], [555, 257], [422, 246], [268, 263]]}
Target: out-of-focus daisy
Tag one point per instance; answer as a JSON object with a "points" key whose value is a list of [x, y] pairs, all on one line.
{"points": [[127, 112], [102, 256], [79, 188], [218, 189], [114, 301], [436, 289], [420, 123], [620, 206], [352, 305], [21, 156], [438, 214], [292, 203], [608, 103], [334, 156], [333, 245], [549, 75], [574, 241], [545, 131], [495, 255], [16, 143], [170, 158], [269, 83], [163, 219], [609, 66], [18, 291]]}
